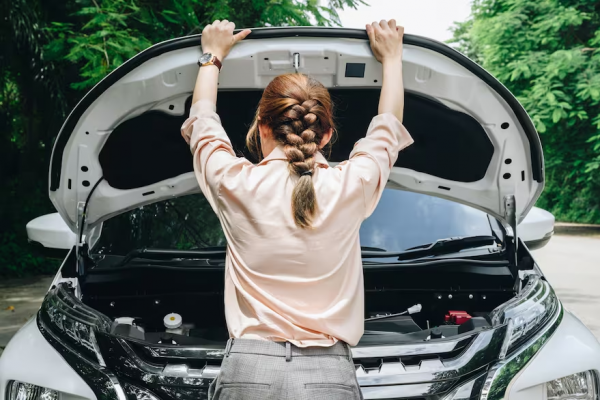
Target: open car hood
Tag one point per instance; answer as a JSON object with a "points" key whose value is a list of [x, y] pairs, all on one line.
{"points": [[121, 147]]}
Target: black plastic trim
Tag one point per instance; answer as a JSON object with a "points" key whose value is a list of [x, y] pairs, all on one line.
{"points": [[269, 33], [99, 379], [538, 244]]}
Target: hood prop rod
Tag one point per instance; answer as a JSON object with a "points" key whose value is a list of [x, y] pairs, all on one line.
{"points": [[81, 248], [510, 213]]}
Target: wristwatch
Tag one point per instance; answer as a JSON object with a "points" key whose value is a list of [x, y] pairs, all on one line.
{"points": [[208, 59]]}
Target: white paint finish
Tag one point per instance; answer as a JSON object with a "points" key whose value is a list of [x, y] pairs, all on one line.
{"points": [[109, 201], [30, 358], [532, 393], [146, 88], [571, 349], [51, 231], [177, 103], [536, 225]]}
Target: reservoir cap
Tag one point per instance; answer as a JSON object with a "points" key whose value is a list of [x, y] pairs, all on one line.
{"points": [[436, 333], [172, 321]]}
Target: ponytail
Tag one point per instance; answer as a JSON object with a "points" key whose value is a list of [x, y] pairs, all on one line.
{"points": [[299, 111]]}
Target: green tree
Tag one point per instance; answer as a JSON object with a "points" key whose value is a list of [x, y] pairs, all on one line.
{"points": [[30, 101], [547, 53], [101, 34], [51, 52]]}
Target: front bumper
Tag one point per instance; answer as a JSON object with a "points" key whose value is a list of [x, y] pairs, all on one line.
{"points": [[568, 349], [571, 349], [30, 358]]}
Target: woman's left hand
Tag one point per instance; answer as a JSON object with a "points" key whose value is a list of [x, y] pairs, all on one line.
{"points": [[218, 38]]}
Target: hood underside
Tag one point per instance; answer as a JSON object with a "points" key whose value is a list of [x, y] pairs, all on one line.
{"points": [[121, 148]]}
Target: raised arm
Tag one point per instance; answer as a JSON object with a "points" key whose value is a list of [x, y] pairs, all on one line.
{"points": [[213, 154], [386, 43], [373, 157]]}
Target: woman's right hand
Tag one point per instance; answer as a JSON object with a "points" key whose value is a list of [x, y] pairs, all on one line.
{"points": [[386, 40], [218, 38]]}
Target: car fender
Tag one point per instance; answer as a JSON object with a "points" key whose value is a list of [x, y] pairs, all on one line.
{"points": [[571, 349], [29, 358]]}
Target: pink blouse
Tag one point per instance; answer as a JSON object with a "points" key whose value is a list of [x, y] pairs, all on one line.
{"points": [[283, 283]]}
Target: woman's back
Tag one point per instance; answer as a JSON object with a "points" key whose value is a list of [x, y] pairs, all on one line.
{"points": [[283, 282], [300, 285], [294, 297]]}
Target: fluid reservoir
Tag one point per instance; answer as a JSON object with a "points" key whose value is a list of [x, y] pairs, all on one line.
{"points": [[173, 322]]}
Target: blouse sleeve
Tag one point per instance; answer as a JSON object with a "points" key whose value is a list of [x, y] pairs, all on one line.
{"points": [[211, 148], [374, 156]]}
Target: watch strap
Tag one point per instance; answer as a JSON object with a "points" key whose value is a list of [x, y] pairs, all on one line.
{"points": [[217, 62], [214, 61]]}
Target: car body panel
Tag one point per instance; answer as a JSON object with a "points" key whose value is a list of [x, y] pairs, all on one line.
{"points": [[571, 349], [51, 231], [538, 224], [161, 79], [537, 228], [29, 358]]}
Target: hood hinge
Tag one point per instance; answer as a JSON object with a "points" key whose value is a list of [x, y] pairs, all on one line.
{"points": [[510, 214], [80, 233], [72, 283], [80, 240]]}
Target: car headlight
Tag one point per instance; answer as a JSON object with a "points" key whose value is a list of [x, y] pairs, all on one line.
{"points": [[527, 313], [26, 391], [72, 321], [581, 386]]}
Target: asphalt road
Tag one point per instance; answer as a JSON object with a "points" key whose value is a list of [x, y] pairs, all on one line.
{"points": [[19, 300], [570, 263], [572, 266]]}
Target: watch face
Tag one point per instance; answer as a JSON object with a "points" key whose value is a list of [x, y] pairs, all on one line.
{"points": [[204, 58]]}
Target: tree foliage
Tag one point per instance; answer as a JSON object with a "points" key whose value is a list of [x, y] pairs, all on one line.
{"points": [[52, 52], [547, 53], [101, 34]]}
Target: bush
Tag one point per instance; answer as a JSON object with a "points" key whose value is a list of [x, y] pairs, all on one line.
{"points": [[547, 53], [17, 260]]}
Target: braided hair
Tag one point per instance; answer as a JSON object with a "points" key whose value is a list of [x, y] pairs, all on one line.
{"points": [[299, 111]]}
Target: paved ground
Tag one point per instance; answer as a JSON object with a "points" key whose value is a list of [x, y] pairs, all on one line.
{"points": [[571, 264], [25, 296]]}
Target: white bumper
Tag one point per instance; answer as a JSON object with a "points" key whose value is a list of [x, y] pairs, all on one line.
{"points": [[571, 349], [30, 358]]}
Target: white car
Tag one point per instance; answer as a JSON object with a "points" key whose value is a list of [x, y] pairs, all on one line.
{"points": [[456, 307]]}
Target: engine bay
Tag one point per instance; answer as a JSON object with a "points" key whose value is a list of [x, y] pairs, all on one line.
{"points": [[408, 303]]}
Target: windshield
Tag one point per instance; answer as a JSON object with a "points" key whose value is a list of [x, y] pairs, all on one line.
{"points": [[404, 219], [401, 220]]}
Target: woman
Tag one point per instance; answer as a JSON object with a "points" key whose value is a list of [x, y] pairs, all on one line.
{"points": [[293, 278]]}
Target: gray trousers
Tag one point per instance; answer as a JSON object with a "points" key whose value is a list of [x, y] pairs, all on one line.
{"points": [[265, 370]]}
